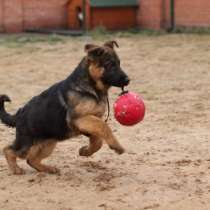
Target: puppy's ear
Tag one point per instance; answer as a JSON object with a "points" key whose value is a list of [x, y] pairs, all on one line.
{"points": [[89, 47], [93, 50], [111, 44]]}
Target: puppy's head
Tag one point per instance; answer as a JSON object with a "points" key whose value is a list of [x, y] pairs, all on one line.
{"points": [[104, 65]]}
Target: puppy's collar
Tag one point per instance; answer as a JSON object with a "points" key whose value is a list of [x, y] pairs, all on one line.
{"points": [[62, 100]]}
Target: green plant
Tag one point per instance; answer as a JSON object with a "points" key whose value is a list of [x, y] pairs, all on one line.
{"points": [[23, 39]]}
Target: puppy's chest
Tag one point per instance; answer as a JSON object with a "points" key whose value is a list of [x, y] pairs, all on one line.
{"points": [[90, 107]]}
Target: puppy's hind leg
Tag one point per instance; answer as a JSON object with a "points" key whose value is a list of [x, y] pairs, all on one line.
{"points": [[11, 157], [37, 153], [18, 149]]}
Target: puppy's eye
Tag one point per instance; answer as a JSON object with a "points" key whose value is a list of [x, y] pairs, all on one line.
{"points": [[110, 64]]}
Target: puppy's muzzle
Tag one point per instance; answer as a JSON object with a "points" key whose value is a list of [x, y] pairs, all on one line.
{"points": [[125, 81]]}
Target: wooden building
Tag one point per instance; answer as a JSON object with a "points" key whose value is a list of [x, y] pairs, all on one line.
{"points": [[111, 14], [164, 14]]}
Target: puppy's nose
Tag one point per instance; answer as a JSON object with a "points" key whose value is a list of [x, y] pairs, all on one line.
{"points": [[126, 80]]}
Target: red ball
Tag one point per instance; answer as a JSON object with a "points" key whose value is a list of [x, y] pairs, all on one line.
{"points": [[129, 109]]}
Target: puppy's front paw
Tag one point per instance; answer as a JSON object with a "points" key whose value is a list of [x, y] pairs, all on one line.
{"points": [[118, 149], [84, 151]]}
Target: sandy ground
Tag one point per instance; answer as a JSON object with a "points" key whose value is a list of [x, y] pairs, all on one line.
{"points": [[167, 161]]}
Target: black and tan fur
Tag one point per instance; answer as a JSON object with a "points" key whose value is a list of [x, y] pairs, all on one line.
{"points": [[72, 107]]}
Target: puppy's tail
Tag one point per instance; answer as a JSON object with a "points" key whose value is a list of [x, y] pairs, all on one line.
{"points": [[6, 118]]}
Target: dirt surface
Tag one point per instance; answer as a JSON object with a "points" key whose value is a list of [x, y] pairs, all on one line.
{"points": [[167, 161]]}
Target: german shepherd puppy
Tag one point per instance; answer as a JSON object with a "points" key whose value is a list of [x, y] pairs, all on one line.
{"points": [[69, 108]]}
